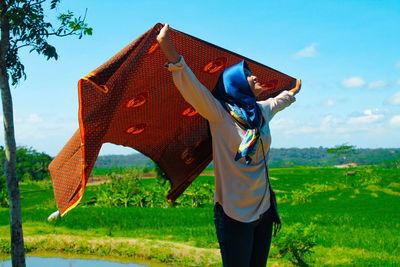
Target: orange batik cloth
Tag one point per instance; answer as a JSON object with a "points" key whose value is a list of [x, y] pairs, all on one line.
{"points": [[131, 100]]}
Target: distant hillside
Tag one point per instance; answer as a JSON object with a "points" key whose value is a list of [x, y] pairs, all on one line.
{"points": [[109, 161], [279, 157], [285, 157]]}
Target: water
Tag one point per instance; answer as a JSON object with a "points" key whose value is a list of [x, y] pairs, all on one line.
{"points": [[61, 262]]}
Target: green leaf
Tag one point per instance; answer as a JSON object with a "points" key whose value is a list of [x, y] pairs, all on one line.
{"points": [[29, 28], [54, 3]]}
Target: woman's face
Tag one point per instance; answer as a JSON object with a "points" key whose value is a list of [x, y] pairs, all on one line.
{"points": [[255, 86]]}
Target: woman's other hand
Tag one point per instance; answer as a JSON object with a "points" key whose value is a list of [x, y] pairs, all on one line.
{"points": [[166, 46], [296, 89]]}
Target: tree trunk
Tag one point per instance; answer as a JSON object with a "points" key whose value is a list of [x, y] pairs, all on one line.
{"points": [[17, 239]]}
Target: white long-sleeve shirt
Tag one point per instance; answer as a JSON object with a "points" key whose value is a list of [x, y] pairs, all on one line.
{"points": [[241, 189]]}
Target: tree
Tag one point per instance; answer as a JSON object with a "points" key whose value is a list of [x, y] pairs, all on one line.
{"points": [[29, 163], [23, 25], [342, 152]]}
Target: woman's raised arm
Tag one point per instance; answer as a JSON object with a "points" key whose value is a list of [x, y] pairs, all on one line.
{"points": [[281, 101], [187, 83], [166, 46]]}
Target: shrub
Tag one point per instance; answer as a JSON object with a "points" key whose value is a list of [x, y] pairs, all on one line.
{"points": [[28, 161], [317, 188], [126, 189], [161, 178], [4, 202], [369, 176], [295, 242], [197, 195], [300, 196], [27, 177], [391, 164], [5, 246], [122, 190]]}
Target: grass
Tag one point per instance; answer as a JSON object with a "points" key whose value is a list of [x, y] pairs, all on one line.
{"points": [[357, 219]]}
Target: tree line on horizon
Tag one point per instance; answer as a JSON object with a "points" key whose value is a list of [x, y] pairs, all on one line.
{"points": [[31, 165], [280, 158]]}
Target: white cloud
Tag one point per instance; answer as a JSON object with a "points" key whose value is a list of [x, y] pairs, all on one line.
{"points": [[34, 119], [329, 103], [368, 118], [377, 84], [368, 121], [309, 51], [395, 121], [29, 129], [353, 82], [395, 99], [283, 124], [308, 129], [398, 82], [374, 127], [327, 123], [367, 112]]}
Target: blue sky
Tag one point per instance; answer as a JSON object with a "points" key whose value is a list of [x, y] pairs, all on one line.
{"points": [[346, 52]]}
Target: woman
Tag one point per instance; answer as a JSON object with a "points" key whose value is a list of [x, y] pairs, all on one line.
{"points": [[243, 213]]}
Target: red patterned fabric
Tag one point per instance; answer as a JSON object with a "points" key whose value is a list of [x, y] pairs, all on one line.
{"points": [[131, 100]]}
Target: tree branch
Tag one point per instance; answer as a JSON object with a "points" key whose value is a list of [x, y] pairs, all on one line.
{"points": [[5, 33], [72, 32], [21, 46], [37, 3]]}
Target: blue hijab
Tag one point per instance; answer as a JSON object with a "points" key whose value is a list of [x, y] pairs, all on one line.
{"points": [[234, 93]]}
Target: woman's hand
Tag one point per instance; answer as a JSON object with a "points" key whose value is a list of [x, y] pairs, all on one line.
{"points": [[296, 89], [166, 46], [163, 35]]}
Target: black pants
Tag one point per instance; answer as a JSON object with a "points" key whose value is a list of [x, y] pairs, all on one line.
{"points": [[243, 244]]}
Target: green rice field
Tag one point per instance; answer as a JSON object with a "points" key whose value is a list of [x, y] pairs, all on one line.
{"points": [[355, 221]]}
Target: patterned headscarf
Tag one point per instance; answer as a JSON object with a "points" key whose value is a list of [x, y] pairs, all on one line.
{"points": [[236, 96]]}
